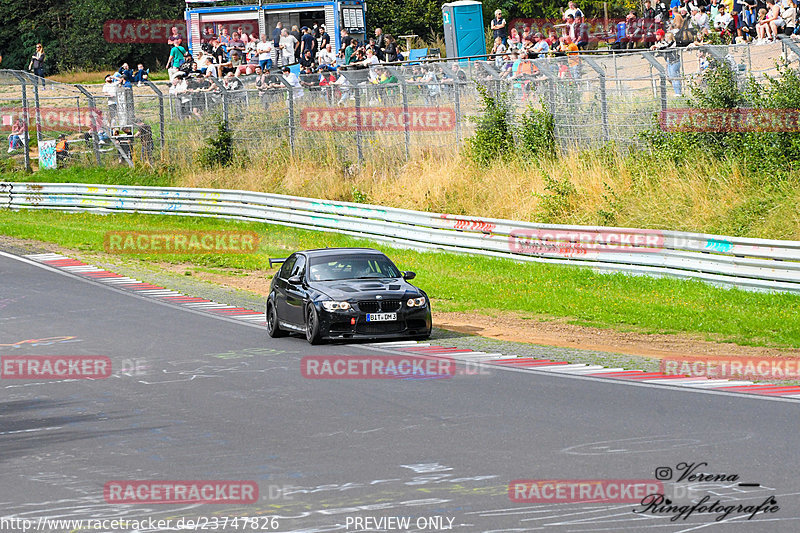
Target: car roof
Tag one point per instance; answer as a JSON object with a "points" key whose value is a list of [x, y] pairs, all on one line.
{"points": [[339, 251]]}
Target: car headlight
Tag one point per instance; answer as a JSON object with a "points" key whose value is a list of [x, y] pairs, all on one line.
{"points": [[335, 306], [416, 302]]}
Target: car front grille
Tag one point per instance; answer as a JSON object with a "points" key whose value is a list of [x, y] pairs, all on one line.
{"points": [[375, 306]]}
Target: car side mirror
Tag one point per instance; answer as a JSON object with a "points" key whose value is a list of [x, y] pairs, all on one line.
{"points": [[407, 275], [295, 280]]}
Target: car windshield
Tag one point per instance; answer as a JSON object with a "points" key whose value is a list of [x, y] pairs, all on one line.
{"points": [[351, 266]]}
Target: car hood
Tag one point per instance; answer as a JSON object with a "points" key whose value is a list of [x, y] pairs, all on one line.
{"points": [[358, 289]]}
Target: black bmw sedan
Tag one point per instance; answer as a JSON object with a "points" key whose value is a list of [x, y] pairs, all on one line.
{"points": [[345, 293]]}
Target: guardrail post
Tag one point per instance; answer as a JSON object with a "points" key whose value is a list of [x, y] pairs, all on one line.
{"points": [[95, 126], [160, 96], [26, 118]]}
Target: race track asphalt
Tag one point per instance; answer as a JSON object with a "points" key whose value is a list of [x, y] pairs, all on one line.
{"points": [[203, 398]]}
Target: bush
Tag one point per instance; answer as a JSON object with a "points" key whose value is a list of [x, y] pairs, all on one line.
{"points": [[493, 138], [219, 150], [537, 133]]}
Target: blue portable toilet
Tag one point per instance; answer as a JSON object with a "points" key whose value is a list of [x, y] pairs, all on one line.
{"points": [[464, 34]]}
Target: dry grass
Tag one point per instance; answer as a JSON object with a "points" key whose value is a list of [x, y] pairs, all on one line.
{"points": [[702, 195]]}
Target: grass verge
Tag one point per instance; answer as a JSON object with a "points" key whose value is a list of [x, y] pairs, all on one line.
{"points": [[468, 283]]}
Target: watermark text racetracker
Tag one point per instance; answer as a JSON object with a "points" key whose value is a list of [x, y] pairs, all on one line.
{"points": [[582, 490], [55, 367], [581, 242], [55, 119], [181, 242], [375, 367], [180, 491], [387, 119], [757, 369]]}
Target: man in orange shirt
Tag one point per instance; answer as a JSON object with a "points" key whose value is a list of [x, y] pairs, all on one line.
{"points": [[569, 47]]}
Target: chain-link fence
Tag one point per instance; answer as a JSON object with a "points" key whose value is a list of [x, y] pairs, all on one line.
{"points": [[385, 114]]}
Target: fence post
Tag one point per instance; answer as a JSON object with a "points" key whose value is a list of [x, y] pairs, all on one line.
{"points": [[359, 147], [160, 96], [95, 126], [26, 118], [35, 80], [662, 73], [403, 91], [224, 93], [603, 96], [292, 118]]}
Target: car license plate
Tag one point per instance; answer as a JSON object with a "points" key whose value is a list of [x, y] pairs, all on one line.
{"points": [[381, 317]]}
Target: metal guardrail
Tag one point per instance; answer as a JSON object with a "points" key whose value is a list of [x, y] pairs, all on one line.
{"points": [[729, 261]]}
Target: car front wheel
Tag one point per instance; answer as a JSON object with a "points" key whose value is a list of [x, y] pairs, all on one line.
{"points": [[312, 326]]}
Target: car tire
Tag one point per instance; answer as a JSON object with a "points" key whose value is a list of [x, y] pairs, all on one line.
{"points": [[312, 326], [273, 328]]}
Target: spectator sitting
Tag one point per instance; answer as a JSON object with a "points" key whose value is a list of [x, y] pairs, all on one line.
{"points": [[16, 138], [232, 83], [552, 38], [292, 79], [327, 58], [582, 33], [633, 33], [307, 60], [541, 45], [789, 15], [723, 22], [62, 150], [765, 26], [515, 41], [208, 35], [370, 59], [141, 75], [700, 20], [349, 51], [205, 62]]}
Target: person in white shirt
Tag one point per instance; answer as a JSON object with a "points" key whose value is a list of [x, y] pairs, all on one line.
{"points": [[287, 46], [370, 60], [294, 81], [326, 56], [541, 46], [264, 49], [723, 21], [572, 9]]}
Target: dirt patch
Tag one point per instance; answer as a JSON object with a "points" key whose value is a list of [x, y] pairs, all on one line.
{"points": [[502, 326]]}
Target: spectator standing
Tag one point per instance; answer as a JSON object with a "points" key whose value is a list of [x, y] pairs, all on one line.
{"points": [[36, 64], [208, 35], [665, 43], [648, 13], [789, 15], [237, 44], [390, 54], [296, 34], [264, 49], [572, 9], [110, 90], [349, 50], [662, 11], [498, 26], [173, 36], [288, 45], [145, 134], [176, 58], [308, 43], [498, 50], [380, 44], [324, 38]]}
